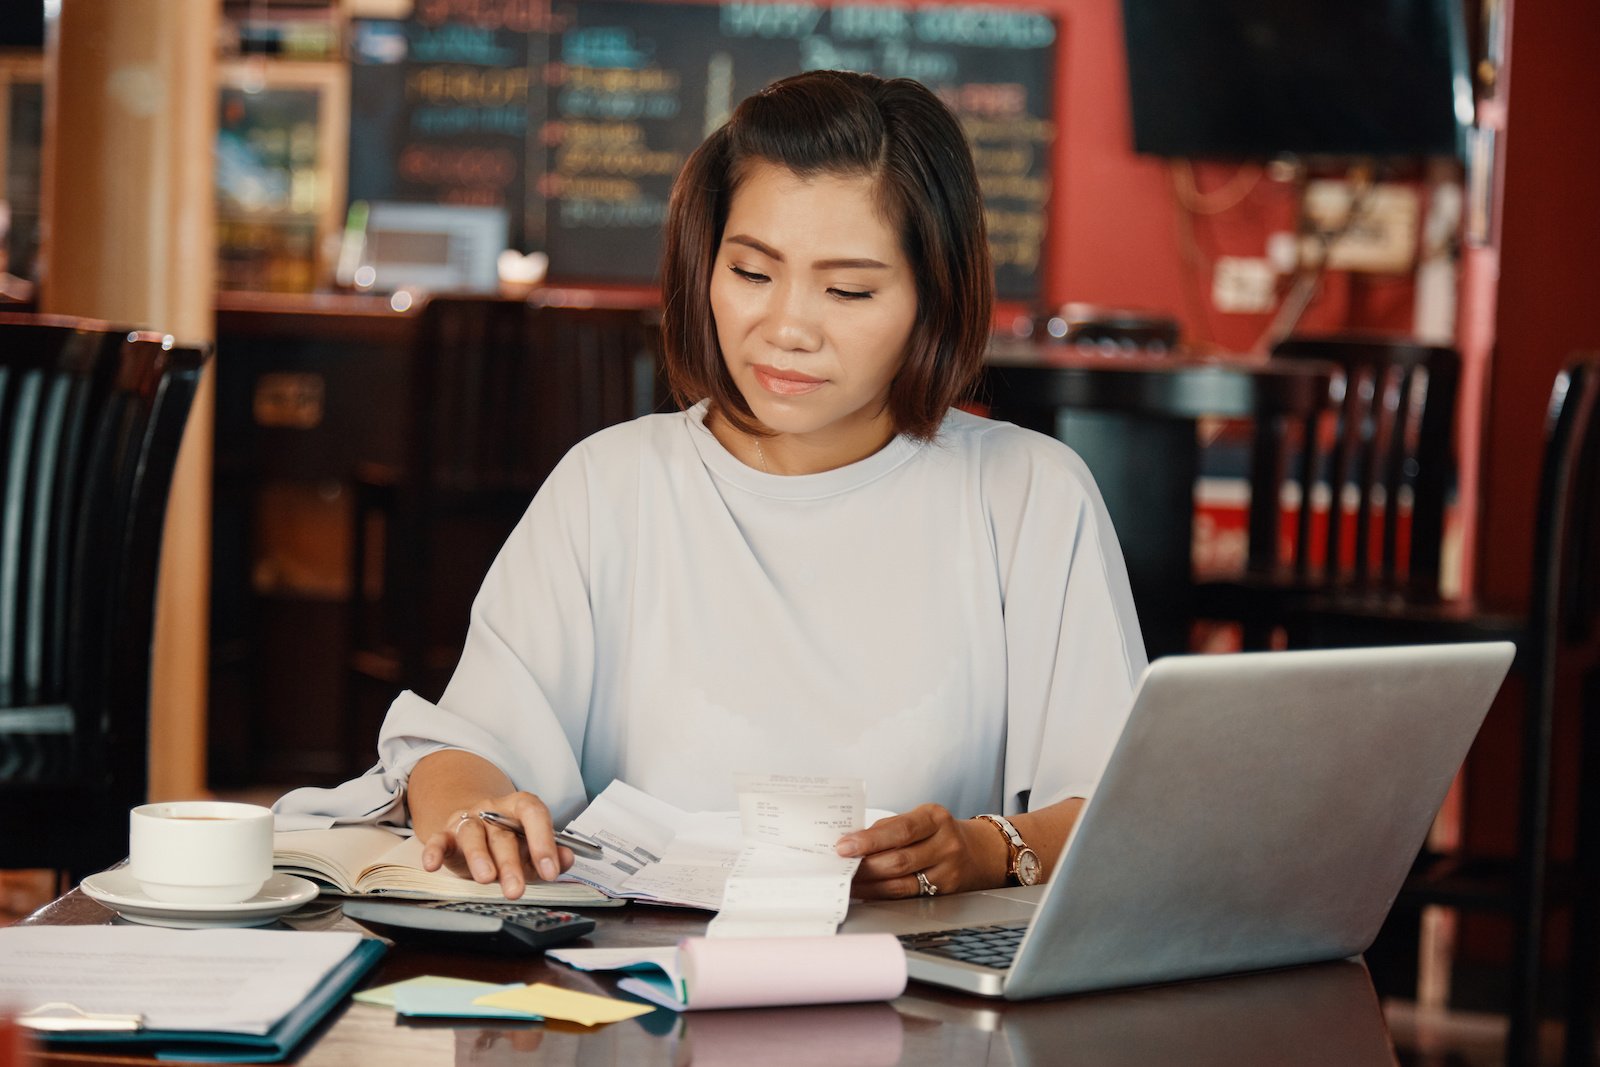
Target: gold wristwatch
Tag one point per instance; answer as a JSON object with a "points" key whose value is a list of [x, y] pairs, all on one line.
{"points": [[1025, 868]]}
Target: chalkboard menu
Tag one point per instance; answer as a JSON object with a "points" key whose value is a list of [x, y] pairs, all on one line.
{"points": [[577, 117], [442, 105]]}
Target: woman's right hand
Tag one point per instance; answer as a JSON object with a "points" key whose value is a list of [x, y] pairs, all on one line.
{"points": [[473, 849]]}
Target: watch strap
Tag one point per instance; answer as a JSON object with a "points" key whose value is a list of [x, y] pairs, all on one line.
{"points": [[1005, 827], [1014, 843]]}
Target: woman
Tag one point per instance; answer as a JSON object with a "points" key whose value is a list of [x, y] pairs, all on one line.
{"points": [[819, 567]]}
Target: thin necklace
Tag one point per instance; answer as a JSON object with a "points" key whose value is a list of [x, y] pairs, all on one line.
{"points": [[761, 455]]}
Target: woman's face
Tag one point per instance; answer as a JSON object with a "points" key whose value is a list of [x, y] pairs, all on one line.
{"points": [[814, 304]]}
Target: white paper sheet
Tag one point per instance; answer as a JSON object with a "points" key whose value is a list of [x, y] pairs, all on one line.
{"points": [[235, 981]]}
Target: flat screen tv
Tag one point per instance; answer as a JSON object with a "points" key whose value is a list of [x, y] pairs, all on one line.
{"points": [[21, 23], [1254, 79]]}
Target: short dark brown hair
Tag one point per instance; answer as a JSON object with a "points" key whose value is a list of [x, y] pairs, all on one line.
{"points": [[841, 123]]}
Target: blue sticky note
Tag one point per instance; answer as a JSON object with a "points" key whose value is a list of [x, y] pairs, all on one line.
{"points": [[456, 1002], [384, 995]]}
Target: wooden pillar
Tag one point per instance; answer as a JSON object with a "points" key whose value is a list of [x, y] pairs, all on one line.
{"points": [[129, 237]]}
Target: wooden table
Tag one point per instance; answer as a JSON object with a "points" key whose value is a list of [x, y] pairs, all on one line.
{"points": [[1133, 420], [1311, 1016]]}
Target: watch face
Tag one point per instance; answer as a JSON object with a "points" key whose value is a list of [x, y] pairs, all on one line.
{"points": [[1028, 867]]}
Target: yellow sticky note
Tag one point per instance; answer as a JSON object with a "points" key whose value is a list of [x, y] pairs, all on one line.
{"points": [[553, 1002], [384, 995]]}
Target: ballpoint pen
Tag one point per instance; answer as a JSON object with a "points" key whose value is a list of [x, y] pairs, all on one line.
{"points": [[571, 839]]}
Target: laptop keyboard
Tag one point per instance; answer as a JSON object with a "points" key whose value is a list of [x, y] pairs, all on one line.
{"points": [[987, 946]]}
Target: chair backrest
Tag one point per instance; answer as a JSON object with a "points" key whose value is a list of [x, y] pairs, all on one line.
{"points": [[111, 534], [501, 389], [1387, 464], [1564, 607], [467, 367], [603, 367], [55, 374], [117, 556], [1560, 639]]}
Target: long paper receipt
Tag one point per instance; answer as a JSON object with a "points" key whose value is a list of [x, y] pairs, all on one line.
{"points": [[787, 880]]}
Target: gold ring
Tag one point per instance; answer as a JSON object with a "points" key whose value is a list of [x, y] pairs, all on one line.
{"points": [[925, 887]]}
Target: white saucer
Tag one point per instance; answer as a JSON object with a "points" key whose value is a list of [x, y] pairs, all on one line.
{"points": [[116, 889]]}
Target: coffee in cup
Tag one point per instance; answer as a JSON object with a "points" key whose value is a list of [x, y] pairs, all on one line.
{"points": [[200, 851]]}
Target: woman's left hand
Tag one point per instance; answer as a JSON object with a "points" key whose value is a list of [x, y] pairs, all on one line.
{"points": [[953, 855]]}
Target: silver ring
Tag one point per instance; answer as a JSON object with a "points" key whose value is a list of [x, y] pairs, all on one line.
{"points": [[461, 818], [926, 888]]}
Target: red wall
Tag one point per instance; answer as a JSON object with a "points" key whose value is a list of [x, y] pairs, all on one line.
{"points": [[1549, 290], [1544, 307], [1114, 223]]}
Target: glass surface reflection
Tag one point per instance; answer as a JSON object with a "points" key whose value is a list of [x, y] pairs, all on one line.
{"points": [[1326, 1015], [845, 1035], [838, 1035]]}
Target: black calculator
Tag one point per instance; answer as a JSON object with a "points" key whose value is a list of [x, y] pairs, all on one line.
{"points": [[479, 926]]}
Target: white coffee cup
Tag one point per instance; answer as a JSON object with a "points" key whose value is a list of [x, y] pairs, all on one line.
{"points": [[200, 851]]}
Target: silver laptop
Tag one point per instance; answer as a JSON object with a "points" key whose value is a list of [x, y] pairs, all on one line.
{"points": [[1260, 810]]}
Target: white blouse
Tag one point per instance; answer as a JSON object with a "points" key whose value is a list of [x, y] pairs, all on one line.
{"points": [[950, 621]]}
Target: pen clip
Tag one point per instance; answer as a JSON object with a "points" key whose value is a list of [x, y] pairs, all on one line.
{"points": [[60, 1017]]}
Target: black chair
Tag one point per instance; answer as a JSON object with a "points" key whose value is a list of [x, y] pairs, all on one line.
{"points": [[1583, 950], [498, 391], [1133, 421], [1385, 469], [1558, 639], [91, 436], [54, 377]]}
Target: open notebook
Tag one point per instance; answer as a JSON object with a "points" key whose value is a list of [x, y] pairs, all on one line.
{"points": [[362, 860]]}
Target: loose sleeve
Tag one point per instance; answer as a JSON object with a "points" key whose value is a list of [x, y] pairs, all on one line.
{"points": [[519, 696], [1073, 647]]}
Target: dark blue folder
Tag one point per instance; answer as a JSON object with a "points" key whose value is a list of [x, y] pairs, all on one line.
{"points": [[220, 1047]]}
